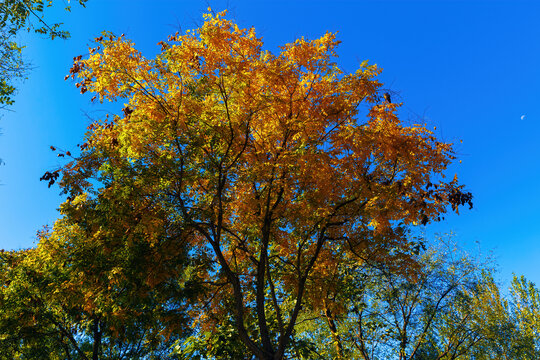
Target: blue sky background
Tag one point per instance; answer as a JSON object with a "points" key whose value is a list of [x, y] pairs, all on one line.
{"points": [[469, 68]]}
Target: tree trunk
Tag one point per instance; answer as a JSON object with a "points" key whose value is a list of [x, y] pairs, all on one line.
{"points": [[333, 330], [97, 340]]}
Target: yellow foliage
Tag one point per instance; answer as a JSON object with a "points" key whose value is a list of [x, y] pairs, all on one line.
{"points": [[260, 157]]}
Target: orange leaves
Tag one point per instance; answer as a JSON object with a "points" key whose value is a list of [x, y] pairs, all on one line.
{"points": [[292, 114], [258, 165], [311, 55]]}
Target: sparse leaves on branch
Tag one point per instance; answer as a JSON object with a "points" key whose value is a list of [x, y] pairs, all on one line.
{"points": [[17, 15]]}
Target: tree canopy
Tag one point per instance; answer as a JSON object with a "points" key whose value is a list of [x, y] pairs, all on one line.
{"points": [[273, 169], [245, 204]]}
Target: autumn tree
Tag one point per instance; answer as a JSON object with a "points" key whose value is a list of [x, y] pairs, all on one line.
{"points": [[270, 169], [109, 280], [83, 294]]}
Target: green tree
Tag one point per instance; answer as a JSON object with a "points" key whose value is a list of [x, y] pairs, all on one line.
{"points": [[17, 15], [95, 291], [380, 312], [525, 300]]}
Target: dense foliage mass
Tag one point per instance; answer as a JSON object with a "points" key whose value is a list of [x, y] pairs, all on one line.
{"points": [[248, 205]]}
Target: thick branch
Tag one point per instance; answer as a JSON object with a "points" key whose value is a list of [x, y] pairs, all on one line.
{"points": [[333, 330], [97, 339]]}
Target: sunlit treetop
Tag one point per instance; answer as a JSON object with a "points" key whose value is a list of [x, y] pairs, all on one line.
{"points": [[276, 164]]}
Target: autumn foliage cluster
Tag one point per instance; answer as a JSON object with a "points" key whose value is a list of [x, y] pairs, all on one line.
{"points": [[241, 202]]}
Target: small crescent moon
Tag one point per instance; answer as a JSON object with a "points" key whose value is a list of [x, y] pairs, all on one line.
{"points": [[523, 117]]}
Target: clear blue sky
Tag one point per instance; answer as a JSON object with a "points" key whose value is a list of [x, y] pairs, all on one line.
{"points": [[470, 68]]}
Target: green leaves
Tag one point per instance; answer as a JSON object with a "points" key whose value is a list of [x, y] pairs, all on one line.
{"points": [[29, 15], [17, 15]]}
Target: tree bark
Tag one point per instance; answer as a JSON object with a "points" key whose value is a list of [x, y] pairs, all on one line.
{"points": [[97, 340], [333, 330]]}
